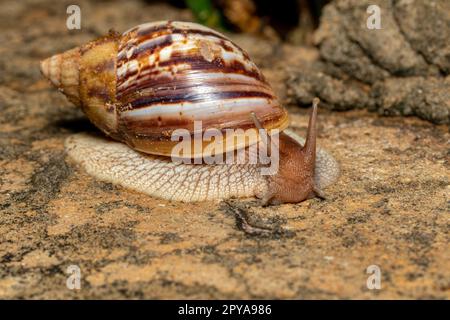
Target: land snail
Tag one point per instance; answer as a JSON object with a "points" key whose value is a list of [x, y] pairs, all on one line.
{"points": [[141, 86]]}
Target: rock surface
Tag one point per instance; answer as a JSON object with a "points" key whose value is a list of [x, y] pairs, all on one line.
{"points": [[411, 50], [389, 208]]}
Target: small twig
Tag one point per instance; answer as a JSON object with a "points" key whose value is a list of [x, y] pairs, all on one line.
{"points": [[243, 223]]}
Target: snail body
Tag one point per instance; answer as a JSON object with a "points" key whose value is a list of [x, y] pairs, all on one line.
{"points": [[156, 78]]}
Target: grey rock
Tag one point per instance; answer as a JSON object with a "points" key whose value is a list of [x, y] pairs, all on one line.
{"points": [[428, 98], [400, 69], [334, 93], [426, 26]]}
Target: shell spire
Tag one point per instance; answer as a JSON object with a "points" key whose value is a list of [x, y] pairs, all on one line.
{"points": [[63, 72], [87, 76]]}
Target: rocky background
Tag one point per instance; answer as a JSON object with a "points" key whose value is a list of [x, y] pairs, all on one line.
{"points": [[401, 69], [389, 208]]}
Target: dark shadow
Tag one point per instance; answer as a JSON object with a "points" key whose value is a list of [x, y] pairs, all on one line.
{"points": [[75, 125]]}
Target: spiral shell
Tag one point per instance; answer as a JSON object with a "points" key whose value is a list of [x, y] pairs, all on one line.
{"points": [[140, 86]]}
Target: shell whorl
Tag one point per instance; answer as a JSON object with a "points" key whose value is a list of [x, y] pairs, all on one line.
{"points": [[172, 73], [159, 177], [158, 77]]}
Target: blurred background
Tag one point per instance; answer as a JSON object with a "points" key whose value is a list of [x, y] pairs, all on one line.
{"points": [[290, 20]]}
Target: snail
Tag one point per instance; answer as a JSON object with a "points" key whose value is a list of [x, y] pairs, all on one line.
{"points": [[141, 86]]}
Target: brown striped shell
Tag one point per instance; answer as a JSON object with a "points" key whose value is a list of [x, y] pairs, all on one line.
{"points": [[140, 86]]}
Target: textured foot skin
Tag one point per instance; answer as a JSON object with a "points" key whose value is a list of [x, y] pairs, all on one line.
{"points": [[156, 176]]}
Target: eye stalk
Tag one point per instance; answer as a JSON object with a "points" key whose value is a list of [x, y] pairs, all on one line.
{"points": [[294, 181]]}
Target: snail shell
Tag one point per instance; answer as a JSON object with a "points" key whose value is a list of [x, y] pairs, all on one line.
{"points": [[158, 77], [141, 86]]}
